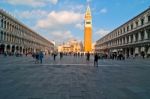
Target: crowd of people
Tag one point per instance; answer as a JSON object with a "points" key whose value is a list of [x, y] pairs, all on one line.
{"points": [[38, 56], [96, 57]]}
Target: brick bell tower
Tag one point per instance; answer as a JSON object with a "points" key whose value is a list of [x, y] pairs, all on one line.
{"points": [[88, 31]]}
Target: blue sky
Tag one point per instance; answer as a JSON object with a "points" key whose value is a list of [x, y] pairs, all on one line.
{"points": [[61, 20]]}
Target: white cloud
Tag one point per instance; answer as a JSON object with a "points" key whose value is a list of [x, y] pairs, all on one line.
{"points": [[103, 10], [58, 25], [61, 35], [56, 20], [32, 14], [102, 32], [80, 26], [33, 3]]}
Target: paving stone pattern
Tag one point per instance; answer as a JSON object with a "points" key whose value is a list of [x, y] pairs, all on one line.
{"points": [[73, 78]]}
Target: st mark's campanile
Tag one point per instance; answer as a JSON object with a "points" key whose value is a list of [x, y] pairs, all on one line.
{"points": [[88, 31]]}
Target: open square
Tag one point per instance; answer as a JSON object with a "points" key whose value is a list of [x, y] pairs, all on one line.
{"points": [[74, 79]]}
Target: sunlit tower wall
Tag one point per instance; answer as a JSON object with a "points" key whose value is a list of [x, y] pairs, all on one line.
{"points": [[88, 31]]}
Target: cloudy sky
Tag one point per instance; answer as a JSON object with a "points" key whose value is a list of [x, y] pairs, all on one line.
{"points": [[60, 20]]}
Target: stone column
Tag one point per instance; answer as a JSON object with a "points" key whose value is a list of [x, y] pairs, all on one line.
{"points": [[21, 51], [145, 35], [3, 37], [134, 38], [139, 36], [34, 50], [129, 38], [125, 40], [125, 53], [145, 52], [146, 19], [139, 51], [6, 24], [119, 41], [5, 48], [129, 52], [10, 48], [14, 49], [122, 40]]}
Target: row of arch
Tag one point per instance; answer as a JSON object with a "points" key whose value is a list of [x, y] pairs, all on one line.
{"points": [[15, 37], [7, 48]]}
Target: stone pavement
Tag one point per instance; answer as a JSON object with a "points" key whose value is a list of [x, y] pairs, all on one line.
{"points": [[74, 78]]}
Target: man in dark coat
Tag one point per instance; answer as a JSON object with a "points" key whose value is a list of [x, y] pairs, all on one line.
{"points": [[96, 59], [88, 56]]}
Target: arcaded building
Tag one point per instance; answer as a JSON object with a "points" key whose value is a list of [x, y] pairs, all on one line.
{"points": [[16, 37], [132, 38]]}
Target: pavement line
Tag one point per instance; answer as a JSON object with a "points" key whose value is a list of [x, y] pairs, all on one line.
{"points": [[68, 65]]}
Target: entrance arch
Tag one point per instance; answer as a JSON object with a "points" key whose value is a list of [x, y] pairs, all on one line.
{"points": [[2, 48], [17, 48], [13, 48], [20, 50], [8, 48]]}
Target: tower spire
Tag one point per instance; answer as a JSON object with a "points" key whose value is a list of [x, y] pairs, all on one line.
{"points": [[88, 10]]}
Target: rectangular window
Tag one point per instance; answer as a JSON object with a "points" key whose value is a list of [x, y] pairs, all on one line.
{"points": [[1, 35], [124, 30], [136, 37], [136, 23], [127, 28], [142, 35], [149, 18], [5, 24], [121, 31], [1, 23], [131, 26], [142, 21]]}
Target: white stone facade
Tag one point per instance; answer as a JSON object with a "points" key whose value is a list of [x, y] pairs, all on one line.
{"points": [[131, 38], [16, 37]]}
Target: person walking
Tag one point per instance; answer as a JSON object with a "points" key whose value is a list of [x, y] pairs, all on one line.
{"points": [[61, 55], [96, 59], [88, 56], [41, 55], [37, 58], [143, 54], [54, 55]]}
